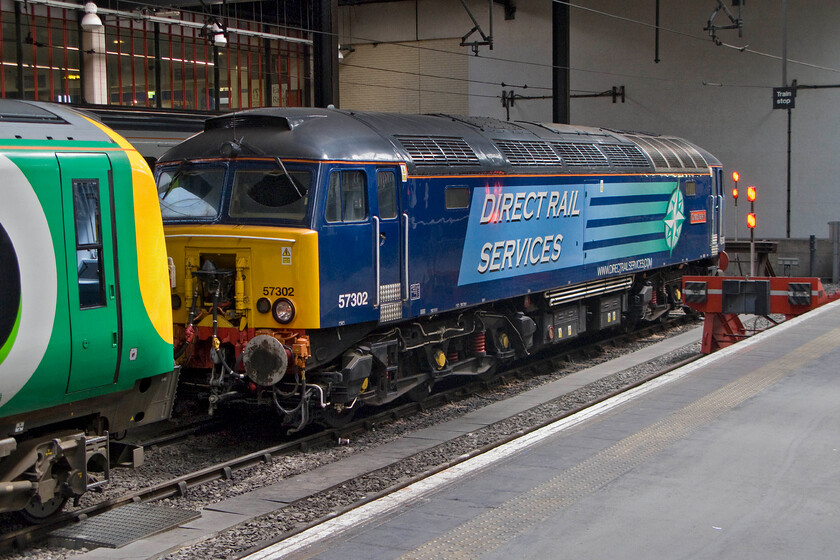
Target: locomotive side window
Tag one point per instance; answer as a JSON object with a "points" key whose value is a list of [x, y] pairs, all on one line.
{"points": [[690, 188], [87, 214], [386, 192], [346, 198], [457, 197], [190, 192]]}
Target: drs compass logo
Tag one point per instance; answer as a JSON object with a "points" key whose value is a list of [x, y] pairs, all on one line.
{"points": [[9, 294], [674, 218]]}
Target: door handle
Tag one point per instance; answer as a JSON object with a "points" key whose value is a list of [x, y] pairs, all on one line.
{"points": [[405, 258], [378, 255]]}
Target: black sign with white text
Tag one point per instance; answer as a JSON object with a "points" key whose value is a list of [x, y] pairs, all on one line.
{"points": [[784, 98]]}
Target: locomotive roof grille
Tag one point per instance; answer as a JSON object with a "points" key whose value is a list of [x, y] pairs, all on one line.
{"points": [[625, 156], [667, 152], [694, 156], [529, 153], [659, 161], [438, 150], [671, 153], [580, 155]]}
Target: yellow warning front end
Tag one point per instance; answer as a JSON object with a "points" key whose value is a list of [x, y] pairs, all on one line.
{"points": [[232, 284]]}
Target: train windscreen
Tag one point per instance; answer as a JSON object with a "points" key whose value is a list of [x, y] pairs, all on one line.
{"points": [[189, 192], [276, 193]]}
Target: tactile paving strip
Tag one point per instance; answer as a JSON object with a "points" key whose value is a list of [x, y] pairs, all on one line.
{"points": [[124, 525], [490, 530]]}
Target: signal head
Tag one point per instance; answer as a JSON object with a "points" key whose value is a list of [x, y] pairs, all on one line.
{"points": [[735, 176], [735, 193], [751, 220], [751, 194]]}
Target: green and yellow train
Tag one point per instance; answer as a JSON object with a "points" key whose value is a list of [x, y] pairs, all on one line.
{"points": [[85, 312]]}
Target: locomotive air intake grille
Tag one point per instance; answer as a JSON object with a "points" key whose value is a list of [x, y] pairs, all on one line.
{"points": [[580, 155], [530, 153], [438, 150]]}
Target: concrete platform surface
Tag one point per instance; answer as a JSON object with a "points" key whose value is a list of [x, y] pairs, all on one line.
{"points": [[737, 456]]}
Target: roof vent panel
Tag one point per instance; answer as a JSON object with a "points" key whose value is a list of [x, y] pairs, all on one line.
{"points": [[528, 153], [652, 151], [438, 150], [625, 156], [580, 155]]}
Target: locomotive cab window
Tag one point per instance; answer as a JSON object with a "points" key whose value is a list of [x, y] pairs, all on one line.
{"points": [[86, 210], [190, 192], [277, 192], [346, 198], [386, 192]]}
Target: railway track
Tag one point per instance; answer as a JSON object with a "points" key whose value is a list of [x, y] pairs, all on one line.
{"points": [[26, 537]]}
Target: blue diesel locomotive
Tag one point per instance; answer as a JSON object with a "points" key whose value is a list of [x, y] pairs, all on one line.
{"points": [[326, 258]]}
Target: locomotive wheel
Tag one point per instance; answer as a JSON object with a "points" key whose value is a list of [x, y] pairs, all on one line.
{"points": [[332, 418], [37, 511]]}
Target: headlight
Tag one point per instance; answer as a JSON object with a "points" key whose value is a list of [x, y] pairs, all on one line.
{"points": [[283, 311]]}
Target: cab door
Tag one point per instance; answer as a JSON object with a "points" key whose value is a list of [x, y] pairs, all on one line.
{"points": [[388, 245], [87, 199], [716, 210]]}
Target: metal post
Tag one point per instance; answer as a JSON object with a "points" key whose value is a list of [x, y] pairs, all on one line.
{"points": [[812, 245], [217, 81], [21, 91], [752, 243], [560, 62], [159, 70], [325, 53], [834, 228], [787, 230]]}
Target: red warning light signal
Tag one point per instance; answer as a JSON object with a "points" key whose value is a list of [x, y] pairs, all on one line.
{"points": [[751, 220], [735, 176], [751, 194], [735, 193]]}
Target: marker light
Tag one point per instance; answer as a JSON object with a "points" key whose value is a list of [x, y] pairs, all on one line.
{"points": [[751, 194], [735, 176], [263, 305], [735, 193], [751, 220]]}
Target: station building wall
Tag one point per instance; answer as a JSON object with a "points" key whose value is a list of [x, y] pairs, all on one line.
{"points": [[715, 96]]}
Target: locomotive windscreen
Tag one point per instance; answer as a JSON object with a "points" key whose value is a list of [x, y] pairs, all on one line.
{"points": [[259, 192], [193, 192]]}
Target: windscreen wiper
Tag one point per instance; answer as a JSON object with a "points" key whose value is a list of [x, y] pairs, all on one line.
{"points": [[289, 177]]}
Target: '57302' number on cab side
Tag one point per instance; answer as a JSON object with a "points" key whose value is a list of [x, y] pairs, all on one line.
{"points": [[277, 291], [356, 299]]}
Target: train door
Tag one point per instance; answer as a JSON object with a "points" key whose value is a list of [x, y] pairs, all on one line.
{"points": [[87, 199], [389, 242], [716, 209]]}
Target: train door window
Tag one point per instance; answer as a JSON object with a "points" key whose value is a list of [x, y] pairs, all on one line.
{"points": [[86, 210], [386, 192], [346, 196], [457, 197]]}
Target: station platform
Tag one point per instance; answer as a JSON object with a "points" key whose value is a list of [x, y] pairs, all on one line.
{"points": [[736, 455]]}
